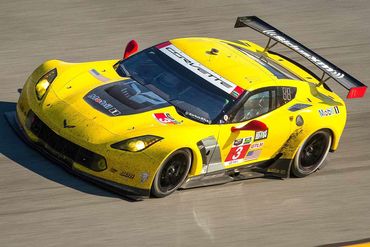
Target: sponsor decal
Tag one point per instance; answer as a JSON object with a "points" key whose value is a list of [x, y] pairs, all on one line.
{"points": [[248, 140], [114, 111], [232, 162], [331, 71], [236, 154], [165, 118], [261, 135], [277, 171], [144, 176], [106, 105], [237, 92], [98, 76], [238, 142], [242, 141], [252, 155], [256, 145], [200, 118], [333, 110], [127, 175], [202, 71]]}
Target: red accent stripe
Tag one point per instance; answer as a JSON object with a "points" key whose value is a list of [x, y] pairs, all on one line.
{"points": [[164, 44], [356, 92]]}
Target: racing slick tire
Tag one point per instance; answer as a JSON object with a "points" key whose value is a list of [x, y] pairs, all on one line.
{"points": [[312, 153], [172, 173]]}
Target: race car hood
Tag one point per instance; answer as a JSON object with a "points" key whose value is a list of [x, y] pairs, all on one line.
{"points": [[117, 108], [124, 97]]}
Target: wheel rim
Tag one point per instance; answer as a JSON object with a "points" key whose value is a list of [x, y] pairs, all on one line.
{"points": [[173, 173], [313, 152]]}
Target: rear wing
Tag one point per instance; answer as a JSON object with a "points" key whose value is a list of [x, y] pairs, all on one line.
{"points": [[355, 87]]}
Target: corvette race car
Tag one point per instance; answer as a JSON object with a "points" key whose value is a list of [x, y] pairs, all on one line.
{"points": [[187, 112]]}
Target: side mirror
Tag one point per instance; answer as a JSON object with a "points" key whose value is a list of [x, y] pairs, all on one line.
{"points": [[254, 125], [131, 48]]}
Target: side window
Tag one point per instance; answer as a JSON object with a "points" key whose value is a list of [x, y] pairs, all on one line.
{"points": [[264, 101], [284, 95], [257, 104]]}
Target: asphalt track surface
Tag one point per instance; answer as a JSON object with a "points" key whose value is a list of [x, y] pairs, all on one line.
{"points": [[42, 205]]}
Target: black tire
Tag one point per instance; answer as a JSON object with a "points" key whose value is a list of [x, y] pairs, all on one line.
{"points": [[311, 155], [172, 173]]}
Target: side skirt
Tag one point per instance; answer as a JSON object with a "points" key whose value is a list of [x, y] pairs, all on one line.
{"points": [[276, 167]]}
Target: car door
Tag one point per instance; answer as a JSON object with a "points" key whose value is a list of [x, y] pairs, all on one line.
{"points": [[259, 128]]}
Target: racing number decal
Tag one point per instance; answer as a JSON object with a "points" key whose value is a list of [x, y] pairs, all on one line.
{"points": [[287, 94], [237, 153]]}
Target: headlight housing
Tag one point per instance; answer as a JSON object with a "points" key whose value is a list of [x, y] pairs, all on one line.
{"points": [[136, 144], [44, 82]]}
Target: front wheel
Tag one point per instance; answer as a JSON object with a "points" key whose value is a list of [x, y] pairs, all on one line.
{"points": [[172, 173], [311, 154]]}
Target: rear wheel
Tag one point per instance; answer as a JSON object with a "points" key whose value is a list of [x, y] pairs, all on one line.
{"points": [[172, 173], [311, 154]]}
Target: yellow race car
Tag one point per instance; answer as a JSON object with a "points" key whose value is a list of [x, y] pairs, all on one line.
{"points": [[185, 113]]}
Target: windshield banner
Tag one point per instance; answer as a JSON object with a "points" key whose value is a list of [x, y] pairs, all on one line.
{"points": [[202, 71]]}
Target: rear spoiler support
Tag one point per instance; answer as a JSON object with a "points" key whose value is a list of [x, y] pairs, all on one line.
{"points": [[355, 87], [323, 79], [268, 46]]}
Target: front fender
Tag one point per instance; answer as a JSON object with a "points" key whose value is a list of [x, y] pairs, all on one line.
{"points": [[186, 137]]}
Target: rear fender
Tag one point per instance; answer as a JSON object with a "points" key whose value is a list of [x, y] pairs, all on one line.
{"points": [[284, 159], [281, 164]]}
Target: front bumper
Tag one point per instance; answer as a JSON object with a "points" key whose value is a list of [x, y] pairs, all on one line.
{"points": [[45, 149]]}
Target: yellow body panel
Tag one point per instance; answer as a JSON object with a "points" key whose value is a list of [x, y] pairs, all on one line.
{"points": [[96, 131]]}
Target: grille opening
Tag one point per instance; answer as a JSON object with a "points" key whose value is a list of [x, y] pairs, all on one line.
{"points": [[61, 145]]}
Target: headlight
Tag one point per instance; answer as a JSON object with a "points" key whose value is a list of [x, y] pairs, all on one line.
{"points": [[43, 84], [137, 144]]}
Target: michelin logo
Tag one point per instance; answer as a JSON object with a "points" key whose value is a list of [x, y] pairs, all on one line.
{"points": [[315, 60]]}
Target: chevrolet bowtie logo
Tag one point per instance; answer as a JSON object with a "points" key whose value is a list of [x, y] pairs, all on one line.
{"points": [[66, 126]]}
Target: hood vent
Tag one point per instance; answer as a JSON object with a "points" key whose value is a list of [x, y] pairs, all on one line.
{"points": [[124, 98]]}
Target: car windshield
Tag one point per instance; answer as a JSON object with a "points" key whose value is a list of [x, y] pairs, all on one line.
{"points": [[192, 96]]}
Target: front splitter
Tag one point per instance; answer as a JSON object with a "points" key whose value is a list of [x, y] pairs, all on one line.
{"points": [[121, 189]]}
